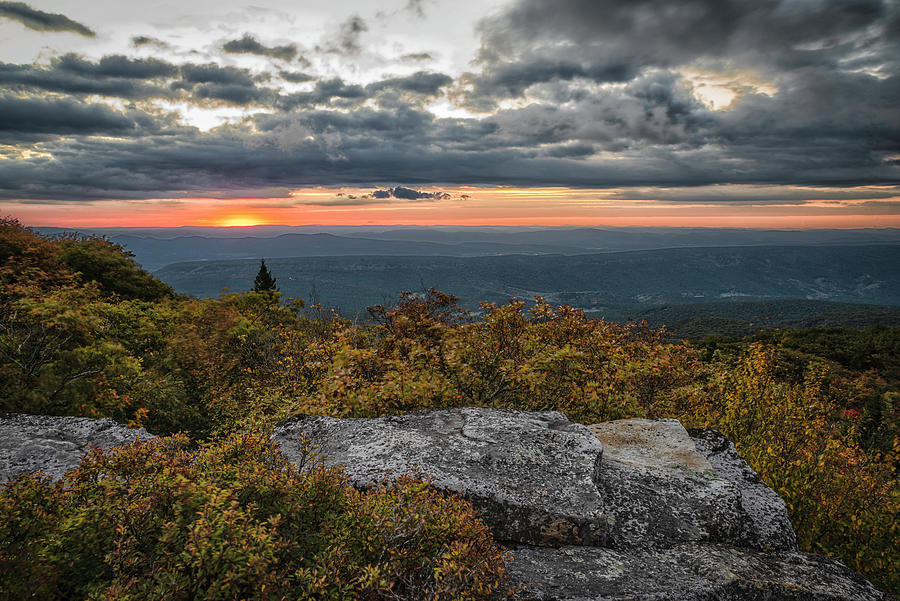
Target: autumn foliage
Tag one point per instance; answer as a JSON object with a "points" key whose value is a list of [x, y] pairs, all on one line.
{"points": [[821, 429], [234, 520]]}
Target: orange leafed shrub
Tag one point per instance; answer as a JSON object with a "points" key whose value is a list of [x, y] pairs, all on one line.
{"points": [[234, 520]]}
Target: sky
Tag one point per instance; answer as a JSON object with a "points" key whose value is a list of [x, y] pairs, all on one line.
{"points": [[763, 113]]}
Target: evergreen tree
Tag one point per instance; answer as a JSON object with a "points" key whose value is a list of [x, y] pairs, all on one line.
{"points": [[264, 280]]}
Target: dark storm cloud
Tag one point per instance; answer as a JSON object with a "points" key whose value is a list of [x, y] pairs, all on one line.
{"points": [[423, 82], [227, 84], [296, 76], [250, 45], [213, 73], [505, 80], [234, 94], [59, 116], [40, 20], [354, 148], [606, 40], [116, 66], [664, 33], [403, 193], [597, 93], [112, 76], [379, 196], [326, 91]]}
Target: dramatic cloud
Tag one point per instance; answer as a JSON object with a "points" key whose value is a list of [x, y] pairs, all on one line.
{"points": [[717, 101], [326, 92], [397, 194], [111, 76], [420, 83], [402, 193], [660, 33], [59, 116], [228, 84], [41, 21], [250, 45], [751, 195], [536, 42], [296, 76], [116, 66]]}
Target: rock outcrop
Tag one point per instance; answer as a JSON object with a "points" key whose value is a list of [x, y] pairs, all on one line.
{"points": [[55, 445], [685, 572], [768, 525], [530, 474], [632, 509]]}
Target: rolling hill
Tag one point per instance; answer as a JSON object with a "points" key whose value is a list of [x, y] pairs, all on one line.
{"points": [[609, 284]]}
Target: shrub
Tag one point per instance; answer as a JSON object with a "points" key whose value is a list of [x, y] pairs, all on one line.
{"points": [[842, 500], [234, 520], [112, 267], [547, 358]]}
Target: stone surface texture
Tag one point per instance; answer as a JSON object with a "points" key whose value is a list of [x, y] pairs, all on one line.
{"points": [[55, 445], [768, 525], [659, 490], [686, 572], [632, 510], [532, 475], [635, 510]]}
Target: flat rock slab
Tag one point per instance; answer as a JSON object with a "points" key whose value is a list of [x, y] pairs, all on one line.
{"points": [[688, 572], [768, 525], [660, 491], [55, 445], [531, 475]]}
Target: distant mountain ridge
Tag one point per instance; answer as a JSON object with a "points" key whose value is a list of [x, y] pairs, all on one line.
{"points": [[605, 283], [155, 248]]}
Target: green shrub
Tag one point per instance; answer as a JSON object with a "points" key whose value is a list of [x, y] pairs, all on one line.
{"points": [[234, 520], [112, 267], [842, 500]]}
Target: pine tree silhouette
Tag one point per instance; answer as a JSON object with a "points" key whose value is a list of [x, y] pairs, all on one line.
{"points": [[264, 280]]}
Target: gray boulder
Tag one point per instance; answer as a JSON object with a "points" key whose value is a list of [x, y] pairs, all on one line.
{"points": [[660, 490], [55, 445], [651, 514], [686, 572], [768, 525], [648, 514], [531, 475]]}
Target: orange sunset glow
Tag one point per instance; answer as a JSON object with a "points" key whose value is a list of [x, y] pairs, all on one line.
{"points": [[472, 206]]}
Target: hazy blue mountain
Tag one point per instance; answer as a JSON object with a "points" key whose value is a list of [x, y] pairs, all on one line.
{"points": [[606, 283], [635, 238], [154, 253], [157, 247]]}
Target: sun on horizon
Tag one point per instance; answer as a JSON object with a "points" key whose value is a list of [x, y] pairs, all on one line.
{"points": [[239, 221]]}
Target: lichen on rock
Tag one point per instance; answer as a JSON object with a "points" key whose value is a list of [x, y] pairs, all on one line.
{"points": [[55, 445]]}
